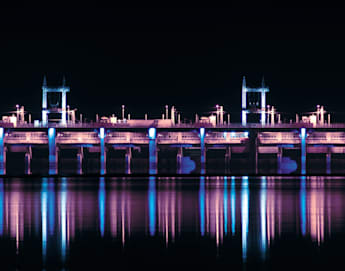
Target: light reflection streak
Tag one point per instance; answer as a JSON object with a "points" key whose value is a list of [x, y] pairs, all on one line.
{"points": [[233, 206], [44, 203], [1, 206], [63, 218], [263, 207], [303, 205], [245, 216], [152, 205], [101, 205], [202, 205], [225, 202]]}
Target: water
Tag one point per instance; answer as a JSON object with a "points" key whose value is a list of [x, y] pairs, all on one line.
{"points": [[246, 223]]}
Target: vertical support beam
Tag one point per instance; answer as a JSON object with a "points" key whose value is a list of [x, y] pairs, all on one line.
{"points": [[53, 157], [128, 160], [179, 160], [2, 151], [227, 158], [202, 133], [303, 135], [103, 165], [279, 159], [328, 161], [28, 156], [263, 107], [152, 150], [80, 158]]}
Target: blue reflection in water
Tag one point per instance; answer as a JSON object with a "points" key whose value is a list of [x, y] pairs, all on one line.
{"points": [[303, 205], [101, 205], [44, 203], [263, 200], [233, 205], [152, 157], [63, 215], [152, 205], [245, 215], [51, 206], [1, 206], [202, 205], [225, 202]]}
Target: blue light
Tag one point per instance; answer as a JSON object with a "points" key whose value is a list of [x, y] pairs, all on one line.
{"points": [[245, 216], [101, 205], [225, 207], [246, 134], [263, 200], [303, 151], [152, 133], [102, 145], [202, 132], [202, 205], [44, 203], [232, 134], [233, 205], [152, 205], [52, 151], [63, 215], [303, 205], [224, 134]]}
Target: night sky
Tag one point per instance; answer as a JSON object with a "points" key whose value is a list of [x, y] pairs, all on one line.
{"points": [[190, 58]]}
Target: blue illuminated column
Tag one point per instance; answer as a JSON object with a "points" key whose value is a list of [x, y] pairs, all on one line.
{"points": [[328, 161], [152, 151], [80, 157], [303, 135], [202, 150], [233, 205], [2, 151], [179, 160], [53, 158], [103, 165], [128, 160]]}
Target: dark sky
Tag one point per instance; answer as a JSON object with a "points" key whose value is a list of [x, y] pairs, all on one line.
{"points": [[192, 58]]}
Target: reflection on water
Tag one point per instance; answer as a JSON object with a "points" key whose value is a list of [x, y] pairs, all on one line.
{"points": [[230, 219]]}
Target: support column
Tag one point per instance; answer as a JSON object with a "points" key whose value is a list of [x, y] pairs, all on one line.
{"points": [[244, 102], [202, 133], [2, 151], [80, 158], [152, 151], [28, 156], [128, 160], [103, 165], [279, 159], [179, 160], [44, 107], [227, 158], [53, 157], [328, 161], [303, 135], [63, 105]]}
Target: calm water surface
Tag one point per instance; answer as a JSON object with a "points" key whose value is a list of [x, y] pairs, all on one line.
{"points": [[245, 223]]}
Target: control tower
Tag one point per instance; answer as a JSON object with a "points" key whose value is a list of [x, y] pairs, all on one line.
{"points": [[254, 103], [54, 103]]}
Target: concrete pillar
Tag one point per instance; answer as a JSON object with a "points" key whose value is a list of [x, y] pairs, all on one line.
{"points": [[179, 160], [53, 155], [152, 151], [328, 161], [227, 158], [279, 160], [202, 133], [103, 158], [303, 135], [244, 117], [63, 107], [221, 115], [128, 160], [44, 108], [2, 151], [28, 156], [80, 158]]}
